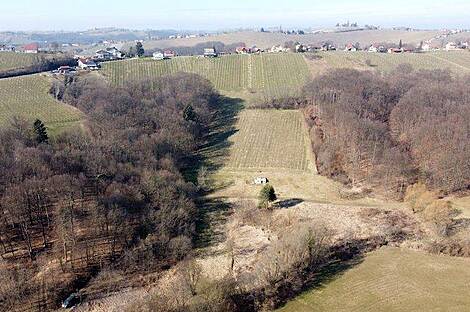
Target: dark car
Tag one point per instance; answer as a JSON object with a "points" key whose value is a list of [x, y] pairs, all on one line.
{"points": [[71, 301]]}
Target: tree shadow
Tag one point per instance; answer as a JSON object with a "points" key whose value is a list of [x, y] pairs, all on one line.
{"points": [[213, 212], [288, 203]]}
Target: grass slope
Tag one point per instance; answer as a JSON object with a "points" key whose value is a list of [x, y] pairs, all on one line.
{"points": [[456, 61], [393, 279], [28, 97], [269, 139], [12, 60], [258, 75]]}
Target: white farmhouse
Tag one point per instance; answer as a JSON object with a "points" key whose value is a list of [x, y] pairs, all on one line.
{"points": [[260, 180], [158, 56]]}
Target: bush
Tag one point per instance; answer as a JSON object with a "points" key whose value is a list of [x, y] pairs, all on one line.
{"points": [[266, 196]]}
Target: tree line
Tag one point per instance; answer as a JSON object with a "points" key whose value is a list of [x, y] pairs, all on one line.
{"points": [[112, 193]]}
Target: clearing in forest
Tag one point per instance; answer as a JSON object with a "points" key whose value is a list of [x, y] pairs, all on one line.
{"points": [[393, 279], [28, 97], [270, 139]]}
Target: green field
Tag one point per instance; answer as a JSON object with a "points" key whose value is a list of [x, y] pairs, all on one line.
{"points": [[393, 279], [456, 61], [28, 97], [12, 60], [267, 74], [268, 139]]}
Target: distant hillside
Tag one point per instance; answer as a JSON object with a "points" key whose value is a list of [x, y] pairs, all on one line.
{"points": [[83, 37], [266, 40]]}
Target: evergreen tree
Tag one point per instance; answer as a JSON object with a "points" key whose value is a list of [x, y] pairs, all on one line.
{"points": [[400, 45], [266, 196], [41, 132], [139, 49]]}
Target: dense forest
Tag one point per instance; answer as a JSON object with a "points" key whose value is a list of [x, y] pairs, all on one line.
{"points": [[112, 194], [391, 131]]}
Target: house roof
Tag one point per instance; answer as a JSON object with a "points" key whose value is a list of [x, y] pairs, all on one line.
{"points": [[31, 46]]}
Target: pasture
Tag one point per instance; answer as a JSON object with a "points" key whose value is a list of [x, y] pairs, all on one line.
{"points": [[393, 279], [456, 61], [12, 60], [28, 97], [253, 76]]}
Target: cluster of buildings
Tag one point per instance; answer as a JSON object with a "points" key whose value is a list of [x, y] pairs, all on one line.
{"points": [[169, 54], [29, 48], [165, 55], [108, 54]]}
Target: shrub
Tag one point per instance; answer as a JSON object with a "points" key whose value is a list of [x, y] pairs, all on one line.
{"points": [[266, 196]]}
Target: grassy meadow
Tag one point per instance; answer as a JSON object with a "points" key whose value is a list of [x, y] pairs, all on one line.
{"points": [[393, 279], [28, 97], [457, 62], [13, 60]]}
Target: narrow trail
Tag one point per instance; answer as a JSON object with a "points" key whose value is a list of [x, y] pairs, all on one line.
{"points": [[250, 71]]}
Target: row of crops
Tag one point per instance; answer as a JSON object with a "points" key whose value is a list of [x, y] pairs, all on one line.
{"points": [[28, 97], [456, 61], [274, 74], [269, 139], [12, 60]]}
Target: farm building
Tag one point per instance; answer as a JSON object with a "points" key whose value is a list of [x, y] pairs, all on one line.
{"points": [[300, 48], [451, 46], [328, 47], [260, 180], [158, 56], [31, 48], [64, 70], [245, 50], [7, 48], [279, 49], [426, 47], [375, 48], [108, 54], [210, 52], [350, 48], [168, 54], [87, 64], [241, 50], [395, 50]]}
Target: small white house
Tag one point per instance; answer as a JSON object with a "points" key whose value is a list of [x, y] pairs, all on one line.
{"points": [[260, 180], [350, 48], [158, 56], [168, 54], [87, 64], [426, 47], [210, 52], [31, 48], [451, 46]]}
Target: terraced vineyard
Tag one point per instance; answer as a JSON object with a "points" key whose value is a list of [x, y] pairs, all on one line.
{"points": [[268, 139], [456, 61], [267, 74], [12, 60], [28, 97], [393, 279]]}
